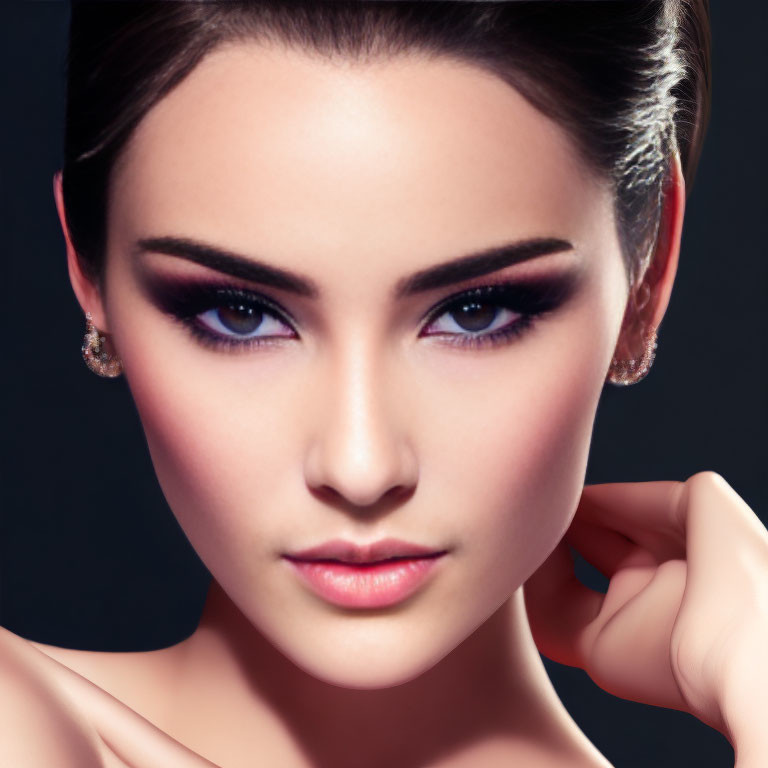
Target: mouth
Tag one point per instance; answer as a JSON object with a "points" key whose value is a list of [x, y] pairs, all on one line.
{"points": [[378, 575]]}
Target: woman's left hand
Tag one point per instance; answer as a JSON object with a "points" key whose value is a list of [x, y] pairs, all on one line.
{"points": [[684, 623]]}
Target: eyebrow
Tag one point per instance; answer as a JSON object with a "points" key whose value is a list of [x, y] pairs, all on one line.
{"points": [[480, 263], [229, 263], [454, 271]]}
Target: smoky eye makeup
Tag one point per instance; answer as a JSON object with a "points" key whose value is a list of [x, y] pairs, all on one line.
{"points": [[220, 315], [495, 313], [229, 317]]}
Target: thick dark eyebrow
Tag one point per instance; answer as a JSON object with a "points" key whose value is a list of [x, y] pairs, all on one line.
{"points": [[477, 264], [454, 271], [229, 263]]}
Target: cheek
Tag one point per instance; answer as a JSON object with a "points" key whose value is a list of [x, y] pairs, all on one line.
{"points": [[518, 456], [541, 476], [216, 430]]}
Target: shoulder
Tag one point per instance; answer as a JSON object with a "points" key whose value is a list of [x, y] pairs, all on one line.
{"points": [[64, 708], [39, 725]]}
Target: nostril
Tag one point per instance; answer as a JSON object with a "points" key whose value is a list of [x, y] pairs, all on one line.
{"points": [[386, 502], [327, 493], [398, 493]]}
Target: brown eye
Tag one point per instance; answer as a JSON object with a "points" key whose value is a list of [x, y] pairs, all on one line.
{"points": [[240, 319], [244, 321], [479, 317], [474, 316]]}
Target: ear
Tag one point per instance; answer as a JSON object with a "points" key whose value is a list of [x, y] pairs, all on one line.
{"points": [[650, 293], [87, 291]]}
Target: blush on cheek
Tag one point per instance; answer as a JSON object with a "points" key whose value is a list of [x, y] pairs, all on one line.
{"points": [[175, 447], [179, 430], [556, 463], [540, 475], [216, 457]]}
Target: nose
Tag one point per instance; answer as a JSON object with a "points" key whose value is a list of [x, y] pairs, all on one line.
{"points": [[360, 456]]}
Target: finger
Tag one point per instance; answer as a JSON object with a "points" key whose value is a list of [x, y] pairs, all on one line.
{"points": [[630, 650], [713, 510], [650, 514], [657, 515], [605, 549], [724, 536], [560, 608]]}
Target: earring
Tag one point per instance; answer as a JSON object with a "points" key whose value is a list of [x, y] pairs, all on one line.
{"points": [[624, 372], [95, 355]]}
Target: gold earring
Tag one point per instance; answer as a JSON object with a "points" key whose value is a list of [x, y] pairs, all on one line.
{"points": [[624, 372], [95, 355]]}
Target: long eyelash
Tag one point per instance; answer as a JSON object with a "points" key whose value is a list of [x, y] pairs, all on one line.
{"points": [[184, 301], [494, 338], [530, 299]]}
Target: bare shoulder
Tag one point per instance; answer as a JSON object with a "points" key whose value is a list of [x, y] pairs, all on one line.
{"points": [[38, 723], [60, 707]]}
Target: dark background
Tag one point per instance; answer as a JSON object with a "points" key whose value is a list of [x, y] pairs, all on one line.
{"points": [[90, 555]]}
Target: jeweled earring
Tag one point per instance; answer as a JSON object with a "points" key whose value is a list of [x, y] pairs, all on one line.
{"points": [[624, 372], [95, 355]]}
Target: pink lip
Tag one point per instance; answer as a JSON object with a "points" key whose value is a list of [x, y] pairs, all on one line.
{"points": [[372, 576]]}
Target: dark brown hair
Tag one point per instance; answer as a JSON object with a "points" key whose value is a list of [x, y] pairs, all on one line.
{"points": [[628, 79]]}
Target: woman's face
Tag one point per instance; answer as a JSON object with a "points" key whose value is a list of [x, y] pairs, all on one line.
{"points": [[357, 399]]}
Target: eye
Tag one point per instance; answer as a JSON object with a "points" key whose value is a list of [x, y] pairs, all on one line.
{"points": [[493, 315], [474, 316], [222, 316], [243, 321], [488, 315]]}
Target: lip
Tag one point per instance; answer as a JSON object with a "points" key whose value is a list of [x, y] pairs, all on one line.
{"points": [[365, 576]]}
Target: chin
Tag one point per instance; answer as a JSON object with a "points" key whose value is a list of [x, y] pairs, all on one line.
{"points": [[365, 673], [366, 659]]}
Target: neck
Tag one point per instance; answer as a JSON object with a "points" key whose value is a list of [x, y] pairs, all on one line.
{"points": [[492, 689]]}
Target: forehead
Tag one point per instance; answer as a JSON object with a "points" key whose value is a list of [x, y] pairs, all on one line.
{"points": [[269, 149]]}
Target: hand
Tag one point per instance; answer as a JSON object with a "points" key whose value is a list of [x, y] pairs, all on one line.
{"points": [[684, 623]]}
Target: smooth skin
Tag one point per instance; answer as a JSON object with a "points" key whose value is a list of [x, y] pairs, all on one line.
{"points": [[362, 421]]}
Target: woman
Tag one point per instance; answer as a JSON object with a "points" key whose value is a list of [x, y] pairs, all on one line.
{"points": [[365, 281]]}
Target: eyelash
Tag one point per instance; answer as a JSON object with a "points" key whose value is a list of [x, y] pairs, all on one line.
{"points": [[520, 298], [530, 300], [186, 302]]}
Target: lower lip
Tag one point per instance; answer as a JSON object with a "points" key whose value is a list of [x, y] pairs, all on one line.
{"points": [[365, 586]]}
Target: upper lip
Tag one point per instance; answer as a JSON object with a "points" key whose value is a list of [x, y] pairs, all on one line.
{"points": [[348, 552]]}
